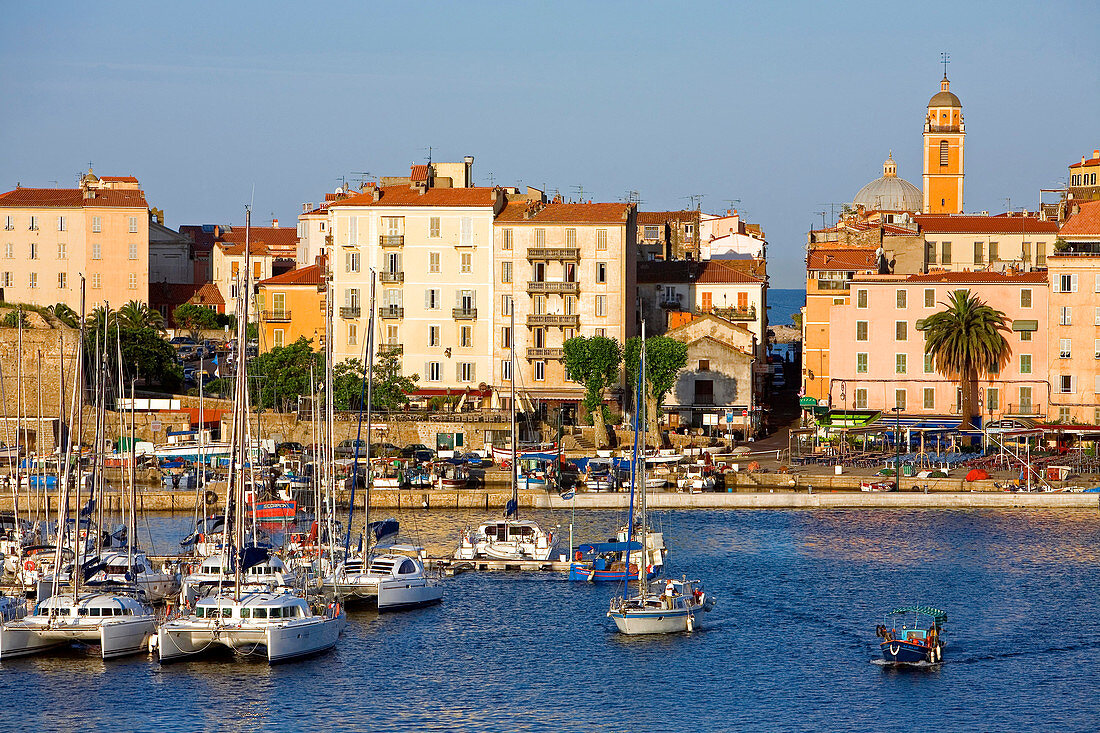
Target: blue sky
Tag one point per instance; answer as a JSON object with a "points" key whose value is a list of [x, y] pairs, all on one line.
{"points": [[788, 107]]}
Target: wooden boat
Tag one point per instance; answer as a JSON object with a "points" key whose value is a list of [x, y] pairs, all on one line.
{"points": [[912, 635]]}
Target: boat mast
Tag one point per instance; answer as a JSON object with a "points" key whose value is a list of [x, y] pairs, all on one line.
{"points": [[78, 406], [370, 405], [642, 572], [512, 402]]}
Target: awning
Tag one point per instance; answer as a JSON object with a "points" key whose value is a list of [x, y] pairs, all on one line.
{"points": [[1019, 325]]}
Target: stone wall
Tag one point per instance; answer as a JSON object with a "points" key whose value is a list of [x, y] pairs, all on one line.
{"points": [[49, 341]]}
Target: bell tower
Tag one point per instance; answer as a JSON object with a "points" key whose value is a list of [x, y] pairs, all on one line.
{"points": [[944, 146]]}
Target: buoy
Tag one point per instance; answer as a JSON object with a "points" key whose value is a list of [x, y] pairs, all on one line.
{"points": [[691, 623]]}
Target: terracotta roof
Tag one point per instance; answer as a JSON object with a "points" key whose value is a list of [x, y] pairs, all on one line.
{"points": [[405, 196], [276, 241], [309, 275], [663, 217], [978, 277], [119, 179], [254, 248], [72, 198], [514, 211], [721, 271], [1085, 222], [840, 259], [1094, 160], [963, 224], [418, 173], [208, 294]]}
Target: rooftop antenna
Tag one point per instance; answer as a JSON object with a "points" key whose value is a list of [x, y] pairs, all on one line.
{"points": [[429, 154], [361, 176], [633, 197], [343, 182], [1008, 203], [730, 203], [696, 200], [945, 59], [579, 188], [823, 225], [490, 176], [833, 206]]}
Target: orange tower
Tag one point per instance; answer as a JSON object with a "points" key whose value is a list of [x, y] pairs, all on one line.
{"points": [[944, 144]]}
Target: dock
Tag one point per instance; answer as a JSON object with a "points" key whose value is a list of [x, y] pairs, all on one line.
{"points": [[450, 566]]}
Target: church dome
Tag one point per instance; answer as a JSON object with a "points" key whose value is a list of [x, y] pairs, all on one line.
{"points": [[889, 193], [944, 97]]}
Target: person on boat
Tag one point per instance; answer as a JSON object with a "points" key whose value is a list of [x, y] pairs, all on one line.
{"points": [[670, 591]]}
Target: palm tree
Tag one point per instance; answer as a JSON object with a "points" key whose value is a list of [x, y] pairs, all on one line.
{"points": [[65, 315], [137, 315], [965, 342]]}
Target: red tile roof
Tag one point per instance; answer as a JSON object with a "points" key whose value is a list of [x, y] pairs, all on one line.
{"points": [[722, 271], [692, 271], [310, 275], [663, 217], [1094, 160], [418, 173], [72, 198], [276, 241], [406, 196], [978, 277], [964, 224], [1084, 223], [841, 259], [514, 211], [119, 179], [208, 294]]}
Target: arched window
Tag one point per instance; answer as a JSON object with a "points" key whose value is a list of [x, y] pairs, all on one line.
{"points": [[943, 152]]}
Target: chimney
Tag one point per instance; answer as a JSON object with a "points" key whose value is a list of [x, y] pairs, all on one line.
{"points": [[1095, 154], [274, 223], [376, 193]]}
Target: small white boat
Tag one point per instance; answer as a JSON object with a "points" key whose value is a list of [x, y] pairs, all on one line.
{"points": [[158, 585], [506, 539], [395, 579], [118, 624], [665, 607], [694, 478], [280, 626]]}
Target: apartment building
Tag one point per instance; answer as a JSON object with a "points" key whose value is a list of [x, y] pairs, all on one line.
{"points": [[52, 236], [668, 235], [561, 270], [996, 243], [292, 306], [877, 359], [272, 251]]}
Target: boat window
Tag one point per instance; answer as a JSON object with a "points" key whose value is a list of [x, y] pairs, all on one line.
{"points": [[200, 612], [407, 566], [276, 613], [260, 613], [90, 611], [227, 613], [245, 612]]}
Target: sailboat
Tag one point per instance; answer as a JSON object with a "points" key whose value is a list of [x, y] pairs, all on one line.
{"points": [[661, 606], [395, 578], [117, 622], [510, 538], [279, 624]]}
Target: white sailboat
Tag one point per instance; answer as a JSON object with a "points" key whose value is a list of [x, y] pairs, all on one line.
{"points": [[280, 625], [661, 606]]}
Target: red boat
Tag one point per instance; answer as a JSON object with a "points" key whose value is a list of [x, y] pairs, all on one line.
{"points": [[277, 510]]}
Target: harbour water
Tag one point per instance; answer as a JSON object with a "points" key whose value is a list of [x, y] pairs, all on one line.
{"points": [[787, 648]]}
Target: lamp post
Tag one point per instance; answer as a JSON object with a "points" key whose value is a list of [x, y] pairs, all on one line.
{"points": [[897, 445]]}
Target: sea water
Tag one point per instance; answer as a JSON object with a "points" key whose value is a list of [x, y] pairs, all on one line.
{"points": [[789, 645]]}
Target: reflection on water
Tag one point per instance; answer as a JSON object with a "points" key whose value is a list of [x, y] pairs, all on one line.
{"points": [[787, 647]]}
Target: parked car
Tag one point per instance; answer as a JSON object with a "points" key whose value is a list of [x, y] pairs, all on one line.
{"points": [[346, 449], [424, 455], [410, 450], [778, 381], [384, 450], [289, 447], [182, 341]]}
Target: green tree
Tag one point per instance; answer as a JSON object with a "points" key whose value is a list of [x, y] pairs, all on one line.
{"points": [[347, 380], [282, 374], [136, 315], [966, 341], [391, 388], [594, 362], [65, 315], [195, 318], [796, 319], [665, 357], [14, 317]]}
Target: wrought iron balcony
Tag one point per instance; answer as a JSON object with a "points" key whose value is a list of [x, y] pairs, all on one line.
{"points": [[545, 319], [275, 316], [387, 276], [566, 288], [464, 314], [553, 253], [1026, 409], [391, 240], [736, 314], [550, 353], [350, 311], [391, 311]]}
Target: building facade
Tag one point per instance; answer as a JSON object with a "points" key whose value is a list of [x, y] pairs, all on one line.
{"points": [[292, 306], [1011, 241]]}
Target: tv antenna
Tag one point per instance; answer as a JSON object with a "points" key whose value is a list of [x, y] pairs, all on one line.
{"points": [[343, 182], [632, 197], [361, 176], [489, 175], [832, 208], [579, 188], [429, 149], [945, 59], [822, 213], [696, 200]]}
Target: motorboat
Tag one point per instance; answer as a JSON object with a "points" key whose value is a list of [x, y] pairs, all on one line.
{"points": [[599, 476], [912, 635], [118, 624], [665, 607], [695, 478], [188, 445], [419, 477], [392, 579], [388, 474], [506, 539], [452, 475], [120, 568], [280, 626], [603, 562], [877, 485]]}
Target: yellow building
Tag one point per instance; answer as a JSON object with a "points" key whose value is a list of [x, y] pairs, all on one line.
{"points": [[291, 306], [944, 147], [52, 236]]}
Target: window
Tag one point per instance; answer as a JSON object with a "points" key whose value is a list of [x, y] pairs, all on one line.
{"points": [[601, 331], [133, 281], [434, 371], [1065, 414], [901, 331], [133, 225], [601, 305], [1096, 415], [393, 226], [433, 227], [929, 364], [34, 223], [601, 273], [979, 253], [900, 363], [1025, 363], [33, 280], [465, 371], [651, 232], [943, 153], [929, 298], [992, 399], [861, 330], [1066, 384], [1096, 317], [351, 262], [1066, 318], [538, 305], [433, 262], [506, 239], [930, 252], [861, 299], [467, 262], [62, 251], [704, 365], [257, 270], [994, 252], [568, 302], [466, 337], [1025, 298], [506, 272], [1025, 252], [9, 222], [96, 226], [1041, 258], [601, 239], [432, 299], [1065, 349], [506, 305], [34, 250], [97, 251], [1067, 284], [433, 335], [929, 398], [506, 369], [901, 298], [899, 399], [1025, 335], [570, 237], [466, 232], [60, 223], [861, 399], [8, 279], [9, 251], [540, 237], [1025, 399], [861, 363], [62, 280], [1096, 285], [945, 257], [506, 337], [540, 371], [278, 339]]}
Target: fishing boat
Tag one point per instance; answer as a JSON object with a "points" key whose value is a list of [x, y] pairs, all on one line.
{"points": [[452, 475], [695, 478], [600, 476], [912, 635], [661, 606], [419, 477], [604, 562]]}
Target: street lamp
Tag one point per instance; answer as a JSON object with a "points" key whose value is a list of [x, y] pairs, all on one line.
{"points": [[897, 445]]}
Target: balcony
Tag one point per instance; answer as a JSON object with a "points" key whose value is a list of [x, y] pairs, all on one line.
{"points": [[350, 311], [533, 353], [736, 314], [391, 240], [391, 311], [282, 316], [832, 284], [391, 277], [554, 253], [545, 319], [536, 287], [1025, 410], [391, 349], [464, 314]]}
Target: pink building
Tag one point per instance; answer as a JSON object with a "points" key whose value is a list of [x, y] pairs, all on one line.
{"points": [[877, 346]]}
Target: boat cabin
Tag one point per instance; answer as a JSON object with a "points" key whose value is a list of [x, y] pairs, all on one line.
{"points": [[93, 606], [503, 531], [257, 606]]}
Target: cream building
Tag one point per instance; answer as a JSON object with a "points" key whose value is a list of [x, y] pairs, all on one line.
{"points": [[272, 251], [996, 243], [52, 236], [563, 270]]}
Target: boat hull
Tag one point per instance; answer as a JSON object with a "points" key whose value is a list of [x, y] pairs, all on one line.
{"points": [[280, 643], [670, 621], [116, 638], [404, 594], [582, 571], [904, 652]]}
